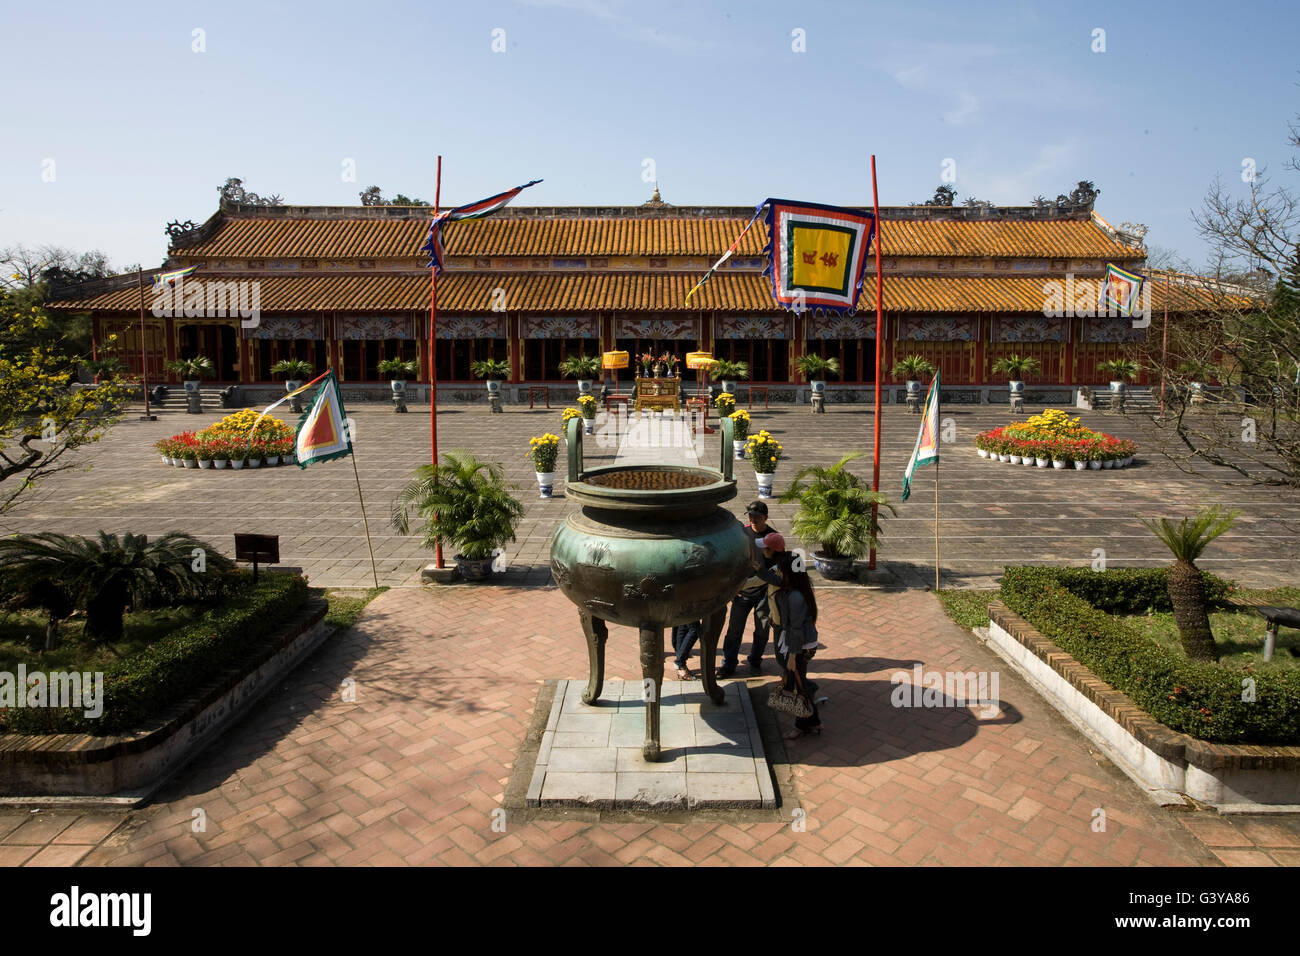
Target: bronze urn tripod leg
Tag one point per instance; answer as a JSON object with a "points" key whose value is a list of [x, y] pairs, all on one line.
{"points": [[652, 673], [596, 631], [709, 639]]}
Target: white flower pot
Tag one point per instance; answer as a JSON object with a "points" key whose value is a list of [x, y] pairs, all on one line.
{"points": [[1108, 463], [289, 459], [192, 384], [1128, 461], [290, 385], [589, 426], [1002, 457], [584, 386], [729, 387], [545, 483], [272, 460], [1015, 459], [1058, 464], [254, 463], [1016, 387], [236, 464], [764, 483], [982, 452], [1094, 465], [1117, 387], [205, 462], [1080, 466], [220, 462], [1027, 460], [739, 448], [493, 386], [190, 463], [1042, 462], [166, 460]]}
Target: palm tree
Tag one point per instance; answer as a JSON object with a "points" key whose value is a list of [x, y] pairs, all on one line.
{"points": [[465, 502], [835, 509], [1017, 366], [1186, 540], [725, 370], [106, 575]]}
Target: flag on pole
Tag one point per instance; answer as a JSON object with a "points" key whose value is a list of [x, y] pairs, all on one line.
{"points": [[323, 430], [817, 255], [1119, 291], [926, 451], [162, 278], [475, 210], [726, 255]]}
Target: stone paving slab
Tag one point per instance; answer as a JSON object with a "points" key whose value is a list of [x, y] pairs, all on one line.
{"points": [[990, 514], [415, 770], [590, 754]]}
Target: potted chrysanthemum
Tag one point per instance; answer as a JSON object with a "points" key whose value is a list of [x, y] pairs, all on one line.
{"points": [[544, 450], [741, 421], [764, 450], [587, 405]]}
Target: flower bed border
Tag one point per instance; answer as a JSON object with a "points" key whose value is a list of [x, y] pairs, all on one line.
{"points": [[1169, 764]]}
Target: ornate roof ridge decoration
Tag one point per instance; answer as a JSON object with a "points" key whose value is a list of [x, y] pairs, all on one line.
{"points": [[649, 209]]}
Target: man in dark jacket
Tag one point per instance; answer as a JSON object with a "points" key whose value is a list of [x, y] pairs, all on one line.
{"points": [[752, 597]]}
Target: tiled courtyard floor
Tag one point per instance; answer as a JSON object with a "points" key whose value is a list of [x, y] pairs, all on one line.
{"points": [[446, 682], [991, 515]]}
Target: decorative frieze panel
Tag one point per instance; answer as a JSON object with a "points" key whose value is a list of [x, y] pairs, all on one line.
{"points": [[1111, 330], [840, 326], [939, 328], [752, 327], [559, 327], [374, 327], [1030, 328], [471, 327], [657, 328], [286, 327]]}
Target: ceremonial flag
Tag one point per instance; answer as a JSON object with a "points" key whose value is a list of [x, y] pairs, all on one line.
{"points": [[323, 431], [817, 254], [726, 255], [162, 278], [926, 451], [1119, 291], [475, 210]]}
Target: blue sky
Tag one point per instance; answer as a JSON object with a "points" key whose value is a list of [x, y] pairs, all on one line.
{"points": [[142, 129]]}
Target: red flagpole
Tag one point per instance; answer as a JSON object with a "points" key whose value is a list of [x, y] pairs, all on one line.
{"points": [[144, 359], [880, 337], [433, 355]]}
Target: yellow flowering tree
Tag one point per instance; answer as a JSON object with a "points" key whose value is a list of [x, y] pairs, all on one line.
{"points": [[42, 417]]}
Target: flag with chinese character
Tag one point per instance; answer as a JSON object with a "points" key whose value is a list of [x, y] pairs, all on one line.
{"points": [[475, 210], [817, 254], [323, 430], [1119, 291], [926, 451]]}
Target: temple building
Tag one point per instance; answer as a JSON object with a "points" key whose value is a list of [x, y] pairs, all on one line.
{"points": [[345, 287]]}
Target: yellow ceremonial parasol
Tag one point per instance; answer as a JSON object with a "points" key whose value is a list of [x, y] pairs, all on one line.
{"points": [[614, 360]]}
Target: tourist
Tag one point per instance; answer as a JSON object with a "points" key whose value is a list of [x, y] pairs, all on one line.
{"points": [[684, 638], [794, 616], [752, 597]]}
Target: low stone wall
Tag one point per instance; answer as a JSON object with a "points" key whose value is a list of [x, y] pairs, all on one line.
{"points": [[132, 766], [1168, 764]]}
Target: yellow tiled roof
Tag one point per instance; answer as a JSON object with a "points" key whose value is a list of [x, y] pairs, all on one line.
{"points": [[622, 292], [280, 238]]}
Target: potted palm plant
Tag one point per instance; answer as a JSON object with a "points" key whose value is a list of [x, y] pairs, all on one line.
{"points": [[398, 371], [1120, 370], [1015, 367], [582, 367], [467, 504], [911, 368], [815, 368], [1186, 540], [729, 372], [295, 372], [494, 370], [835, 509], [192, 370]]}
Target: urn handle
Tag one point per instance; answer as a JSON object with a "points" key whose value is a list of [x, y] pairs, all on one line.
{"points": [[573, 434], [728, 435]]}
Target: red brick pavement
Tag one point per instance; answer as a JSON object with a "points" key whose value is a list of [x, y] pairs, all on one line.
{"points": [[446, 683]]}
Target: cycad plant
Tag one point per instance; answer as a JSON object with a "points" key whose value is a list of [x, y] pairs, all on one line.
{"points": [[465, 502], [580, 366], [814, 366], [192, 369], [397, 369], [835, 509], [1186, 540], [1016, 367], [912, 367], [1121, 369], [294, 369], [490, 368], [104, 576], [725, 370]]}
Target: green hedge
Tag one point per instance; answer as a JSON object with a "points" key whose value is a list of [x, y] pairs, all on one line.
{"points": [[1076, 608], [141, 687]]}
